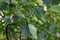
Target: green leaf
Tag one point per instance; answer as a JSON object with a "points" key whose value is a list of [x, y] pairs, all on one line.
{"points": [[33, 31], [1, 29], [25, 31], [55, 2], [54, 9]]}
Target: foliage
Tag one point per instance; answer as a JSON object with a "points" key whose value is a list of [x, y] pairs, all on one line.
{"points": [[29, 20]]}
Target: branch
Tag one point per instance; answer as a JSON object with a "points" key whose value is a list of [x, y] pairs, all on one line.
{"points": [[20, 35], [7, 37]]}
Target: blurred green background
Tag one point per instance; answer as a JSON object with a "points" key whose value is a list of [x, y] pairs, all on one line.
{"points": [[29, 19]]}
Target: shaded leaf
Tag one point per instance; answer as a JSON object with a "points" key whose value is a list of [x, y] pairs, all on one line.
{"points": [[47, 2], [7, 20], [51, 28], [43, 35], [25, 31]]}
